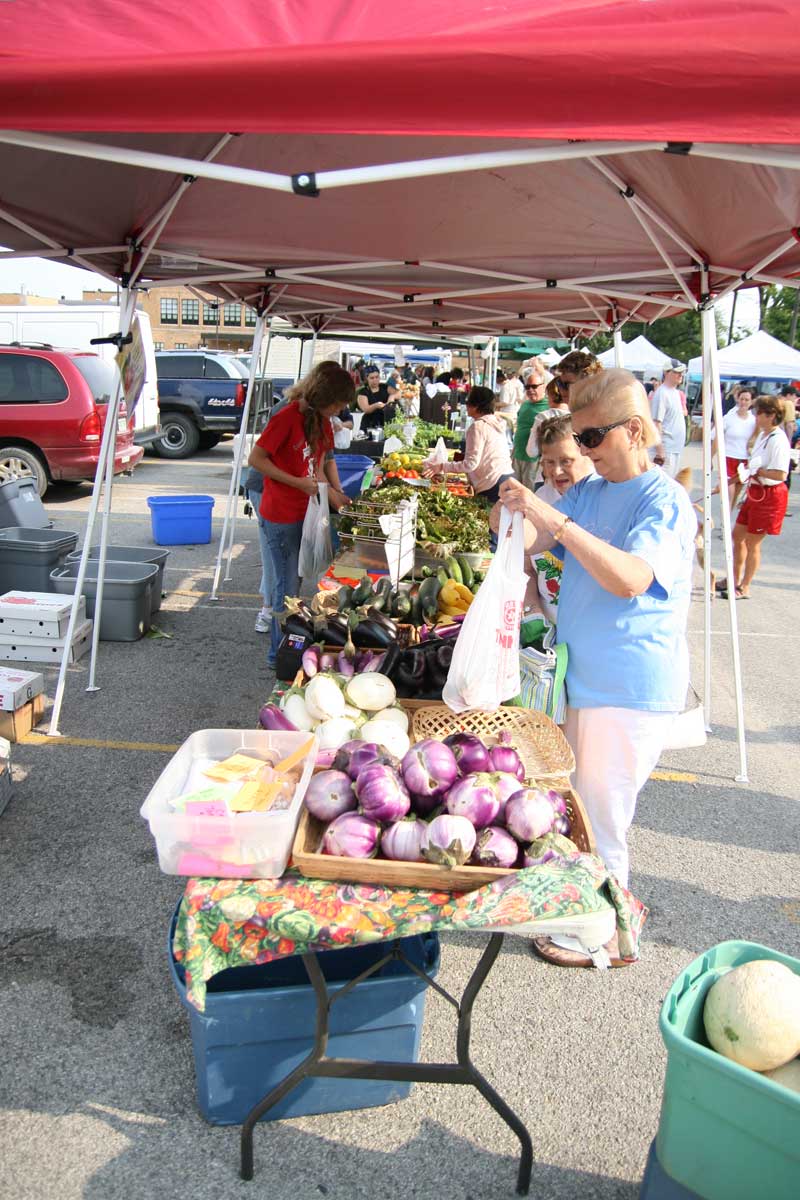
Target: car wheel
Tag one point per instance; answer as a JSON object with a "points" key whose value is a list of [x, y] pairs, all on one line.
{"points": [[179, 438], [209, 440], [20, 462]]}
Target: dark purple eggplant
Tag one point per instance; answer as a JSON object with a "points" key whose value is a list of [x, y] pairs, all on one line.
{"points": [[391, 660], [370, 633], [299, 626], [380, 618]]}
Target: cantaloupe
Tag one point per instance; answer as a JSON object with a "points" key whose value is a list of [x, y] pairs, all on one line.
{"points": [[752, 1015], [787, 1076]]}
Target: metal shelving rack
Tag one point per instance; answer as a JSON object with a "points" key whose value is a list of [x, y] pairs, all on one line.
{"points": [[363, 544]]}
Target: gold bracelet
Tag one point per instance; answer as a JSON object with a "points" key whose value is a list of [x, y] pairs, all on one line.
{"points": [[559, 533]]}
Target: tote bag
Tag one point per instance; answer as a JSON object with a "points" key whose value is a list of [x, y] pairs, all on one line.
{"points": [[485, 667]]}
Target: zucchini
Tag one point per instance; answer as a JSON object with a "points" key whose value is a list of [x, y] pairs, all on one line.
{"points": [[426, 572], [428, 594], [453, 569], [443, 576], [363, 593], [466, 570], [416, 611], [345, 598], [401, 608]]}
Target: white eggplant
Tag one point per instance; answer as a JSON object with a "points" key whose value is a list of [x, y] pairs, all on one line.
{"points": [[334, 733], [370, 691], [324, 699], [396, 714], [386, 734]]}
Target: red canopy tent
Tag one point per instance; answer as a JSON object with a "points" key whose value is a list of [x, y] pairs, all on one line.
{"points": [[546, 167]]}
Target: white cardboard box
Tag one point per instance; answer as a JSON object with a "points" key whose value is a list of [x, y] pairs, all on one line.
{"points": [[37, 614], [45, 650], [18, 687]]}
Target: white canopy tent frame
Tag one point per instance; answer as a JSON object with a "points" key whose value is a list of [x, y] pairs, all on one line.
{"points": [[584, 287]]}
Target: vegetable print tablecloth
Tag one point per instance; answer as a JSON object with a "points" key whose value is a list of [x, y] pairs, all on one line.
{"points": [[238, 922]]}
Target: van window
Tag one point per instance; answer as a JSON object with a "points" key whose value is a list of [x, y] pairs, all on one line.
{"points": [[179, 366], [25, 379], [101, 376]]}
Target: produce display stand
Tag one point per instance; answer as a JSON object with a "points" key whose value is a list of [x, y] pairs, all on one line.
{"points": [[265, 920]]}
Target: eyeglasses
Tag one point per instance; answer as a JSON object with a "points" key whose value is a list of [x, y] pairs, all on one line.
{"points": [[591, 438], [564, 384], [533, 387]]}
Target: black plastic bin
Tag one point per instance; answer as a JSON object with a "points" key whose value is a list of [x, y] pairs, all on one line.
{"points": [[20, 505], [127, 596], [132, 554], [27, 556]]}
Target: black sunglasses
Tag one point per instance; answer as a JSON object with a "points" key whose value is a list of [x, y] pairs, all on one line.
{"points": [[533, 387], [566, 384], [591, 438]]}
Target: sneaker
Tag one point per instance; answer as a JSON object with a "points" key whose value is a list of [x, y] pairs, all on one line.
{"points": [[264, 621]]}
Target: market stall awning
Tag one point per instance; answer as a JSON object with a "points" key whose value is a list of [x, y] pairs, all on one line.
{"points": [[759, 356], [527, 347], [252, 168], [639, 355]]}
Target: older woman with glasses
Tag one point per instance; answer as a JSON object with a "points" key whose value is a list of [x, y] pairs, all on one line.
{"points": [[535, 403], [626, 536]]}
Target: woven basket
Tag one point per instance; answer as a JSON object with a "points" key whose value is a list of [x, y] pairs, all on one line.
{"points": [[541, 745]]}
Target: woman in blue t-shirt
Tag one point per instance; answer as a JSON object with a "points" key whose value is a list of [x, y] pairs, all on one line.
{"points": [[626, 535]]}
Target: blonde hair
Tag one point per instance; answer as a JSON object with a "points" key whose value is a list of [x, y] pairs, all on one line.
{"points": [[619, 395]]}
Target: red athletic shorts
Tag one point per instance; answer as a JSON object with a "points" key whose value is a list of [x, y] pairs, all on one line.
{"points": [[764, 508], [732, 467]]}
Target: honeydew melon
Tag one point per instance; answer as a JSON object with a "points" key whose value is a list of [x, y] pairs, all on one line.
{"points": [[752, 1015]]}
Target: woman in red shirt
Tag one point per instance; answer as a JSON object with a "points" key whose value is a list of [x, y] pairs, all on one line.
{"points": [[294, 454]]}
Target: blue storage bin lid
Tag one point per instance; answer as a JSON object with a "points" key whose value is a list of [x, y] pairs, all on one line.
{"points": [[165, 501]]}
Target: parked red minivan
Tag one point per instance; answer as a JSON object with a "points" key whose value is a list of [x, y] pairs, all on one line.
{"points": [[53, 406]]}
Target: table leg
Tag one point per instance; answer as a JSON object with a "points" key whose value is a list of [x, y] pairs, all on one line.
{"points": [[461, 1072]]}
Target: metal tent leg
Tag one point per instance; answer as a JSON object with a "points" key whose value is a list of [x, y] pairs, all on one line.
{"points": [[461, 1072]]}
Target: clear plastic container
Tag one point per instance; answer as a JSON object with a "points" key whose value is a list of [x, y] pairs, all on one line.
{"points": [[254, 845]]}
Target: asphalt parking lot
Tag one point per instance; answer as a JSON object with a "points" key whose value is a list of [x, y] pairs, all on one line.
{"points": [[96, 1069]]}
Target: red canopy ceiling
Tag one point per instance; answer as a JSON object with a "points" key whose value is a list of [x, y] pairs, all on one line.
{"points": [[314, 86], [711, 70]]}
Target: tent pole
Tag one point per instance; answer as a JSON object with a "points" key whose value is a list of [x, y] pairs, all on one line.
{"points": [[707, 473], [233, 487], [105, 461], [619, 350], [246, 441], [350, 176], [728, 544], [127, 309]]}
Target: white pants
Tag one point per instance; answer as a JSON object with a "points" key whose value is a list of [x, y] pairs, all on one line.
{"points": [[615, 750]]}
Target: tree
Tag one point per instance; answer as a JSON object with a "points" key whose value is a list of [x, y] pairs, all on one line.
{"points": [[777, 311], [678, 336]]}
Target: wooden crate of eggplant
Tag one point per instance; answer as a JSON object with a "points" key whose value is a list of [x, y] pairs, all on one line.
{"points": [[406, 633], [450, 814]]}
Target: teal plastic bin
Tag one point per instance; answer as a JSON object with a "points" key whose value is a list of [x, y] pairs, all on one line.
{"points": [[726, 1133], [259, 1022], [181, 520]]}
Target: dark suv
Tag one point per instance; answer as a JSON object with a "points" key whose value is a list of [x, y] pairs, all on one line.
{"points": [[201, 396], [53, 406]]}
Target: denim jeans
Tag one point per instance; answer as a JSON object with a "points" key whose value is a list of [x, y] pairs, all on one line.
{"points": [[283, 542], [266, 568]]}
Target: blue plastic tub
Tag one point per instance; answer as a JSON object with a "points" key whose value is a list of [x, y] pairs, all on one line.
{"points": [[658, 1185], [353, 470], [181, 520], [258, 1025]]}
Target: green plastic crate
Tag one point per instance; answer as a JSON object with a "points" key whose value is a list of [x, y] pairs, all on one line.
{"points": [[726, 1133]]}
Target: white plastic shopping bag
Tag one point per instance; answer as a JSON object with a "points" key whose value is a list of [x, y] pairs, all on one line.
{"points": [[438, 456], [485, 667], [316, 549]]}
